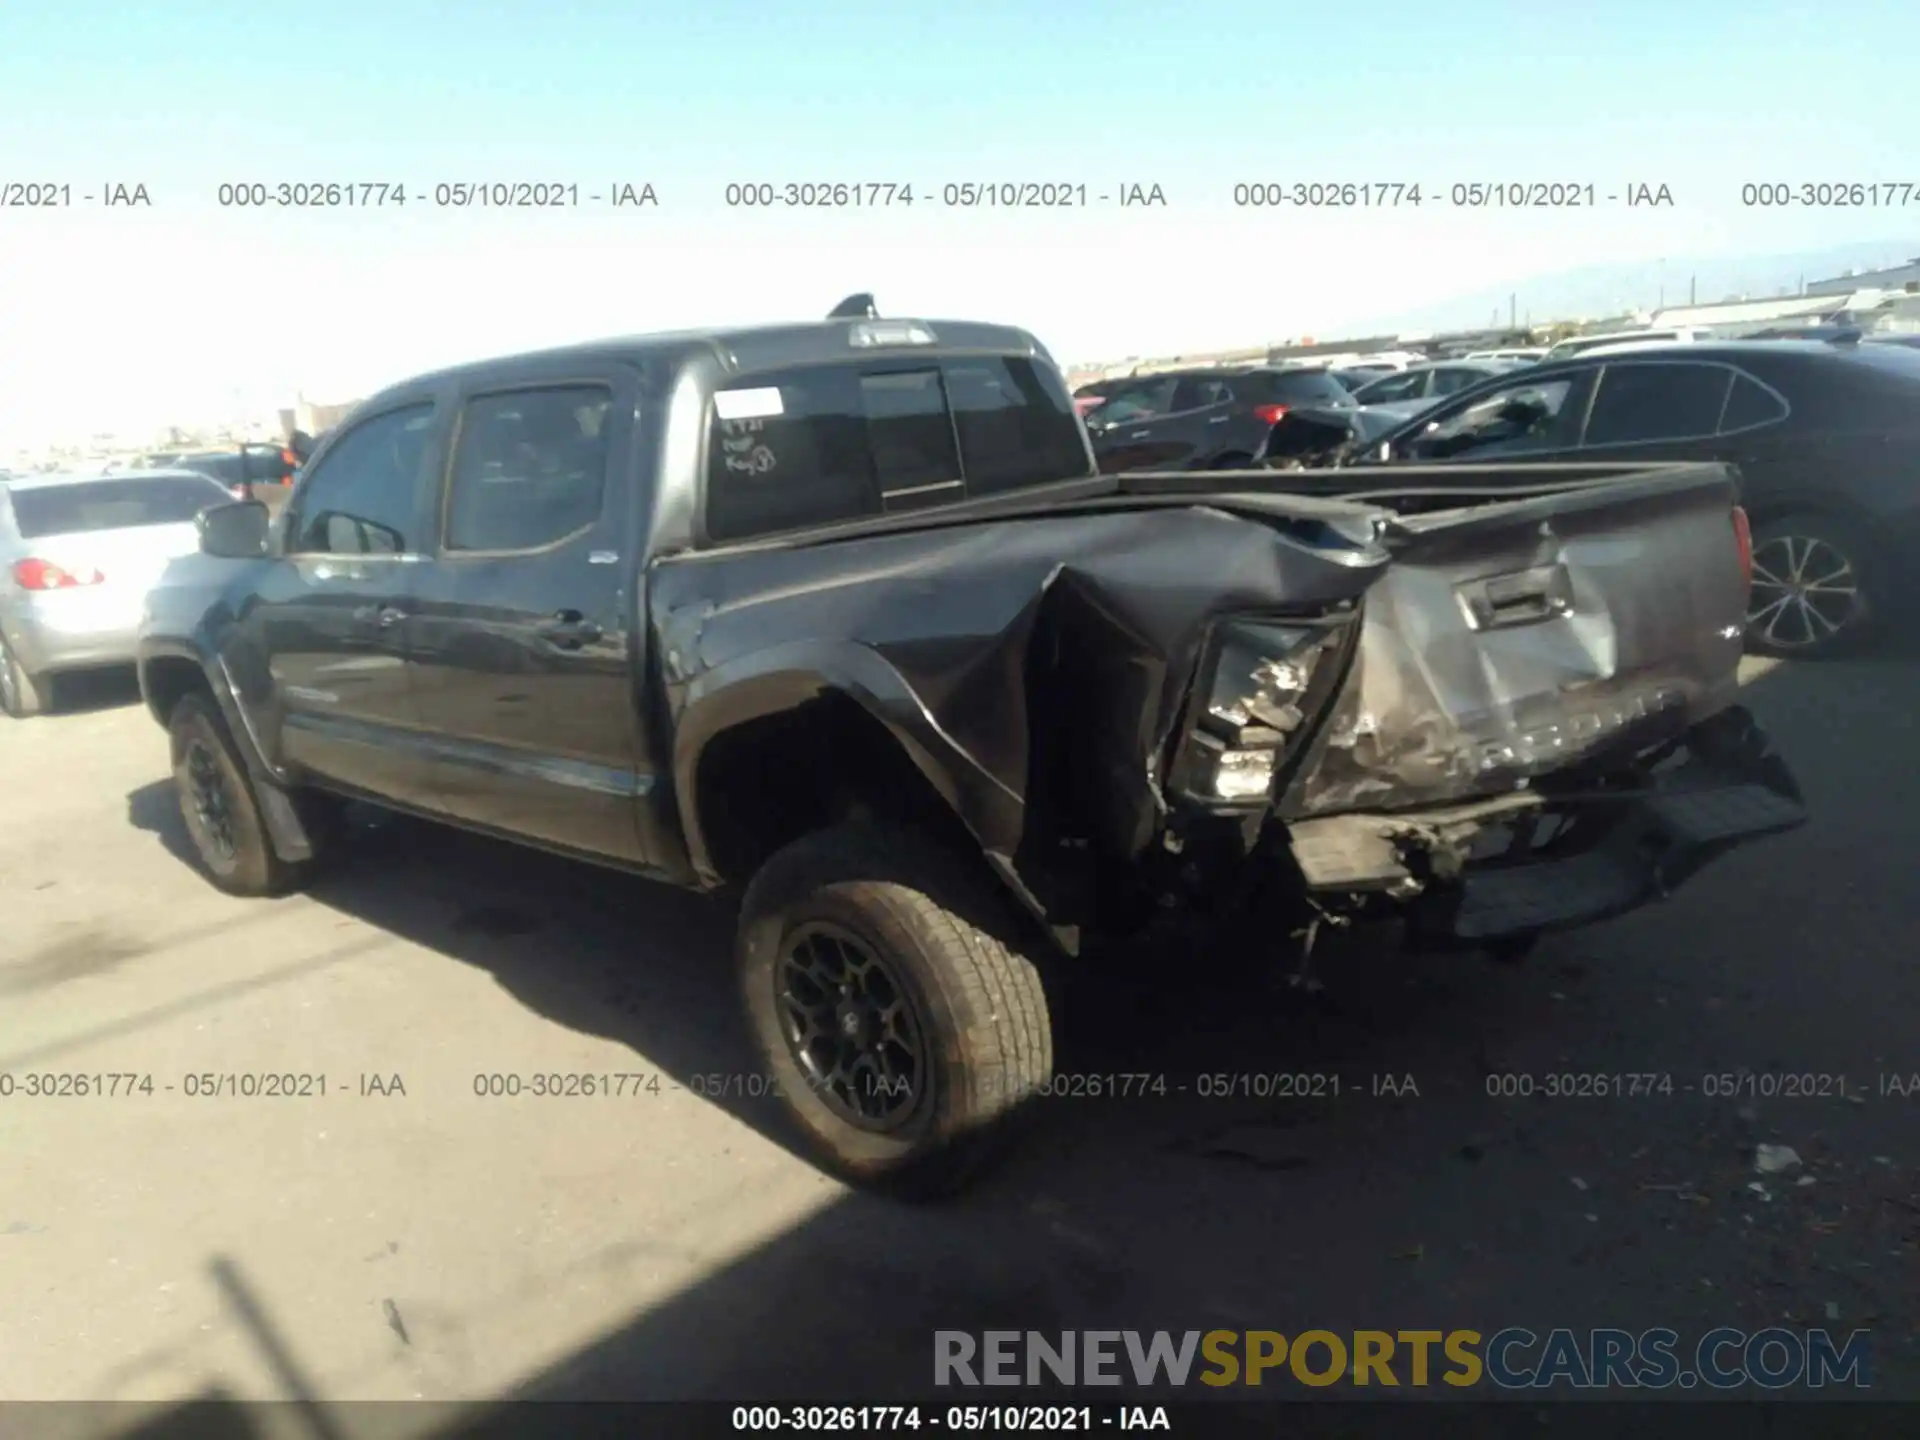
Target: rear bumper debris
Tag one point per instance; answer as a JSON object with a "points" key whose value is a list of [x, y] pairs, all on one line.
{"points": [[1610, 849]]}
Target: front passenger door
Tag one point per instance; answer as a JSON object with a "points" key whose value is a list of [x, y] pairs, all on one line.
{"points": [[329, 621]]}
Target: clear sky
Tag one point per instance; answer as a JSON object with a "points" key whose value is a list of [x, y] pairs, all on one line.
{"points": [[130, 315]]}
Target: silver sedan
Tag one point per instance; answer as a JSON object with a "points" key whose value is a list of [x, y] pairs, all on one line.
{"points": [[78, 554]]}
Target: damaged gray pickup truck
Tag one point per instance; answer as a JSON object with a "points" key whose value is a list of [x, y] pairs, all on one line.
{"points": [[841, 615]]}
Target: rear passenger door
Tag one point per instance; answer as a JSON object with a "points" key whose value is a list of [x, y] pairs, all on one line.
{"points": [[522, 643]]}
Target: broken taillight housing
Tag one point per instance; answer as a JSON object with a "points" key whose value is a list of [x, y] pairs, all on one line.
{"points": [[1270, 414], [1253, 700]]}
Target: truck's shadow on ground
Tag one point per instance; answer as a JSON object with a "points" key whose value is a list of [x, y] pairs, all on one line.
{"points": [[1248, 1210]]}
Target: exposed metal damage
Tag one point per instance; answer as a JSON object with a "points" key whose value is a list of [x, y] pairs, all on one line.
{"points": [[1129, 692]]}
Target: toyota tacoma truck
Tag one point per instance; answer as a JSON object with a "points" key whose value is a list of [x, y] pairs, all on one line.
{"points": [[840, 616]]}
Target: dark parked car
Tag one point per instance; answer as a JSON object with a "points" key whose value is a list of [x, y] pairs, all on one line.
{"points": [[1214, 419], [1826, 438], [842, 616], [242, 468]]}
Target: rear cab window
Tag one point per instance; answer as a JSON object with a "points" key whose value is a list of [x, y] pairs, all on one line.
{"points": [[823, 444]]}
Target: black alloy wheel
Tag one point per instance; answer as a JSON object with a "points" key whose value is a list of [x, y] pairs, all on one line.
{"points": [[1809, 593], [851, 1026], [221, 809], [210, 806], [889, 991]]}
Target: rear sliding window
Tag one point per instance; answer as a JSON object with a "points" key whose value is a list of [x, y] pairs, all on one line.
{"points": [[841, 442], [112, 505]]}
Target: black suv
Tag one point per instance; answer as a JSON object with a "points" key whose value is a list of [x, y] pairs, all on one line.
{"points": [[1214, 419], [841, 617]]}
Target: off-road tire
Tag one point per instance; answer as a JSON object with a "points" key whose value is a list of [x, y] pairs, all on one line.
{"points": [[253, 868], [978, 1001], [1861, 555], [23, 695]]}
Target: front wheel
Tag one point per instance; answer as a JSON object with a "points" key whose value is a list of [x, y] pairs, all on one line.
{"points": [[902, 1023], [1812, 588], [220, 808]]}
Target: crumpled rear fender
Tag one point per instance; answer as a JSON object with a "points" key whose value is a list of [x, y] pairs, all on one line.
{"points": [[1004, 656], [783, 678]]}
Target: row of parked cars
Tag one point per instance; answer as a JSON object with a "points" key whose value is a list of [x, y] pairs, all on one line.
{"points": [[1822, 425]]}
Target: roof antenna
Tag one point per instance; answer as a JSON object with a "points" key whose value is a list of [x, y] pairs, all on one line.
{"points": [[855, 307]]}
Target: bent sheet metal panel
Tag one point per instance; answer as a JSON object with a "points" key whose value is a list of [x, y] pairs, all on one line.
{"points": [[955, 613], [1643, 639]]}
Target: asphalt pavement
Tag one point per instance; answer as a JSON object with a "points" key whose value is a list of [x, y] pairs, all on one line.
{"points": [[407, 1235]]}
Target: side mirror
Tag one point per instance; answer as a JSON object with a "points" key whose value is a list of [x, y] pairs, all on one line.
{"points": [[237, 531]]}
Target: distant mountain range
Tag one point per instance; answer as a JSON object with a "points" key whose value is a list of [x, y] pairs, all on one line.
{"points": [[1597, 291]]}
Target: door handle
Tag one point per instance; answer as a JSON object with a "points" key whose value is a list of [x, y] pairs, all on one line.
{"points": [[1219, 419], [569, 630], [1139, 434], [385, 616]]}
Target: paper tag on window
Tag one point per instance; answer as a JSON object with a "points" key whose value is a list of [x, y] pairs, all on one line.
{"points": [[748, 404]]}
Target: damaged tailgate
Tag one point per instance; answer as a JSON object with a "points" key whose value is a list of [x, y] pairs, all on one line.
{"points": [[1516, 655], [1516, 638]]}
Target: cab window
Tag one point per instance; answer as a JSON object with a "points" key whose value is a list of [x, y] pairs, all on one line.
{"points": [[364, 495]]}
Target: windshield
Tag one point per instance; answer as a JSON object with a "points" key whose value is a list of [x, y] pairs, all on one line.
{"points": [[112, 505]]}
